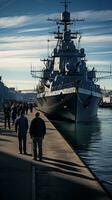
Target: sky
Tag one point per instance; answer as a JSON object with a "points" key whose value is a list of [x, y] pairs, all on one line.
{"points": [[25, 30]]}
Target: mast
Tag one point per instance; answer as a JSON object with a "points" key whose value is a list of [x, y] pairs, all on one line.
{"points": [[65, 20], [65, 16]]}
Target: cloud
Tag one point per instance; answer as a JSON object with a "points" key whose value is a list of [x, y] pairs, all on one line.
{"points": [[100, 53], [38, 44], [20, 81], [23, 42], [100, 15], [17, 21], [6, 22], [20, 47], [19, 64], [21, 84], [33, 30], [97, 29], [98, 62], [86, 27], [33, 53], [97, 39]]}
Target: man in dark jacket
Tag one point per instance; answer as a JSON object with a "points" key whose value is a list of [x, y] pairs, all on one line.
{"points": [[37, 132], [21, 126], [7, 113]]}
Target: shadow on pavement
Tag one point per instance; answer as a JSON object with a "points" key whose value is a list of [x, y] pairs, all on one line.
{"points": [[15, 178], [52, 182]]}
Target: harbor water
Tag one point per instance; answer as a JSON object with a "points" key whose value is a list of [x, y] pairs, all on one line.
{"points": [[93, 143]]}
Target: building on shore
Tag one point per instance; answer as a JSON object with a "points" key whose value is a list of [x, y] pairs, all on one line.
{"points": [[106, 98], [8, 94]]}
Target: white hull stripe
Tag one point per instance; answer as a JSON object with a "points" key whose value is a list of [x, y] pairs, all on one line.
{"points": [[58, 92], [69, 91]]}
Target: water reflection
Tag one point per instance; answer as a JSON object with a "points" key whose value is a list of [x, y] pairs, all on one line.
{"points": [[79, 135], [93, 143]]}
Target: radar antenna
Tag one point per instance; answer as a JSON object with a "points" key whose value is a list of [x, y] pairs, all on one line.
{"points": [[65, 4]]}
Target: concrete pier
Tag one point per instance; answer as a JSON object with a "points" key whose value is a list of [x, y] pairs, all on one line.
{"points": [[60, 176]]}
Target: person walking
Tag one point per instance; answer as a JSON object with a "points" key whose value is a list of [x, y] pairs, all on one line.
{"points": [[31, 107], [7, 114], [13, 113], [21, 127], [37, 132]]}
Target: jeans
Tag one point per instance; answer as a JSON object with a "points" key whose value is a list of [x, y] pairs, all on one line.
{"points": [[37, 141], [22, 143], [7, 120]]}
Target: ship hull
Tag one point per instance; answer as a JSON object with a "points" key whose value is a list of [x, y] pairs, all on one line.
{"points": [[76, 106]]}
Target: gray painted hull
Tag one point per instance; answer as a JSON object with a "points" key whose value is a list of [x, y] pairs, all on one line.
{"points": [[70, 106]]}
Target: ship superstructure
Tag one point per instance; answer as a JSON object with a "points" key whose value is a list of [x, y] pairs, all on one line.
{"points": [[67, 87]]}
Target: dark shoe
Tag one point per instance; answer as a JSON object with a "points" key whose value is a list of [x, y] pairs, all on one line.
{"points": [[20, 152], [40, 159], [34, 158], [25, 153]]}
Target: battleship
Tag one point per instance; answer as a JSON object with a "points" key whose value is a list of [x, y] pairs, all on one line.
{"points": [[67, 87]]}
